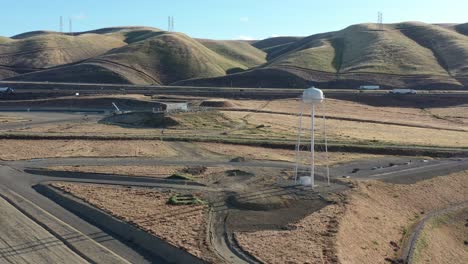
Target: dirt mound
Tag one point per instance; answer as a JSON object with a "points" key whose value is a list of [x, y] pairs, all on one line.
{"points": [[238, 159], [140, 119], [238, 173], [257, 202], [216, 103]]}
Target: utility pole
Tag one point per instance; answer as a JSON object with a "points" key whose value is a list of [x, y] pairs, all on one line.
{"points": [[61, 24], [70, 27]]}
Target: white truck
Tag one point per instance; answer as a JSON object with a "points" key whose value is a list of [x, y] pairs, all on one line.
{"points": [[369, 87], [6, 90], [403, 91]]}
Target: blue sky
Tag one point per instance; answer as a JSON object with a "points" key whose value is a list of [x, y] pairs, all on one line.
{"points": [[217, 19]]}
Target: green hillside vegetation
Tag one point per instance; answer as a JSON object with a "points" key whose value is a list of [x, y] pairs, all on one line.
{"points": [[4, 40], [238, 51], [48, 50], [274, 42], [388, 51], [316, 55], [462, 29], [129, 34], [400, 55], [163, 59], [83, 72], [360, 48], [35, 34], [170, 57], [449, 47]]}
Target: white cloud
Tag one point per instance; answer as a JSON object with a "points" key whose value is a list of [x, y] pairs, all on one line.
{"points": [[243, 37], [79, 16], [274, 35], [244, 19]]}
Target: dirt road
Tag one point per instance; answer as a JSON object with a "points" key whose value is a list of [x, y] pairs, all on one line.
{"points": [[408, 253]]}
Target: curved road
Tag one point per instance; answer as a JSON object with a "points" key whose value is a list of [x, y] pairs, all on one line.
{"points": [[20, 176]]}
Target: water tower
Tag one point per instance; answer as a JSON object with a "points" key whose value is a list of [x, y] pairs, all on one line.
{"points": [[311, 97]]}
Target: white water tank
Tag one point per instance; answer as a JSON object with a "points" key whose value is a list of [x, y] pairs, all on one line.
{"points": [[306, 180], [313, 96]]}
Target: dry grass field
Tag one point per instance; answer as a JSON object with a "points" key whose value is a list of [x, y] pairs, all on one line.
{"points": [[354, 131], [375, 217], [147, 171], [436, 117], [30, 149], [10, 119], [259, 153], [181, 225], [442, 239], [349, 122]]}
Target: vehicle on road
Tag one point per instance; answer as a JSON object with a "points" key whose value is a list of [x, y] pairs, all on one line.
{"points": [[403, 91], [369, 87], [6, 90]]}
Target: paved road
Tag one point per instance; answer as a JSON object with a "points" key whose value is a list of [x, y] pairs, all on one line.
{"points": [[19, 176], [403, 170], [15, 179], [39, 118], [24, 241]]}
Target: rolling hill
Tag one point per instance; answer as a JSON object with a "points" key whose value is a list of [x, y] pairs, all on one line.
{"points": [[158, 58], [41, 50], [409, 54]]}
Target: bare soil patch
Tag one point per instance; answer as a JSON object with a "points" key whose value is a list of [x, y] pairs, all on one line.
{"points": [[369, 226], [183, 226], [217, 103], [380, 215], [149, 171]]}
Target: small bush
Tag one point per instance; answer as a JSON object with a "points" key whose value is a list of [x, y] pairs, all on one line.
{"points": [[185, 199]]}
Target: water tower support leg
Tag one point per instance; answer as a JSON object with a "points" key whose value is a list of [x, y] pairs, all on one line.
{"points": [[298, 144], [312, 147], [326, 144]]}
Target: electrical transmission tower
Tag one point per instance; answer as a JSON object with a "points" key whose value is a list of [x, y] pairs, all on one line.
{"points": [[170, 23], [380, 20], [61, 24], [70, 26]]}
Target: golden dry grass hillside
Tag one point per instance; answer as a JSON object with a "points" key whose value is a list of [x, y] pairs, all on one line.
{"points": [[410, 54], [427, 55], [155, 57]]}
